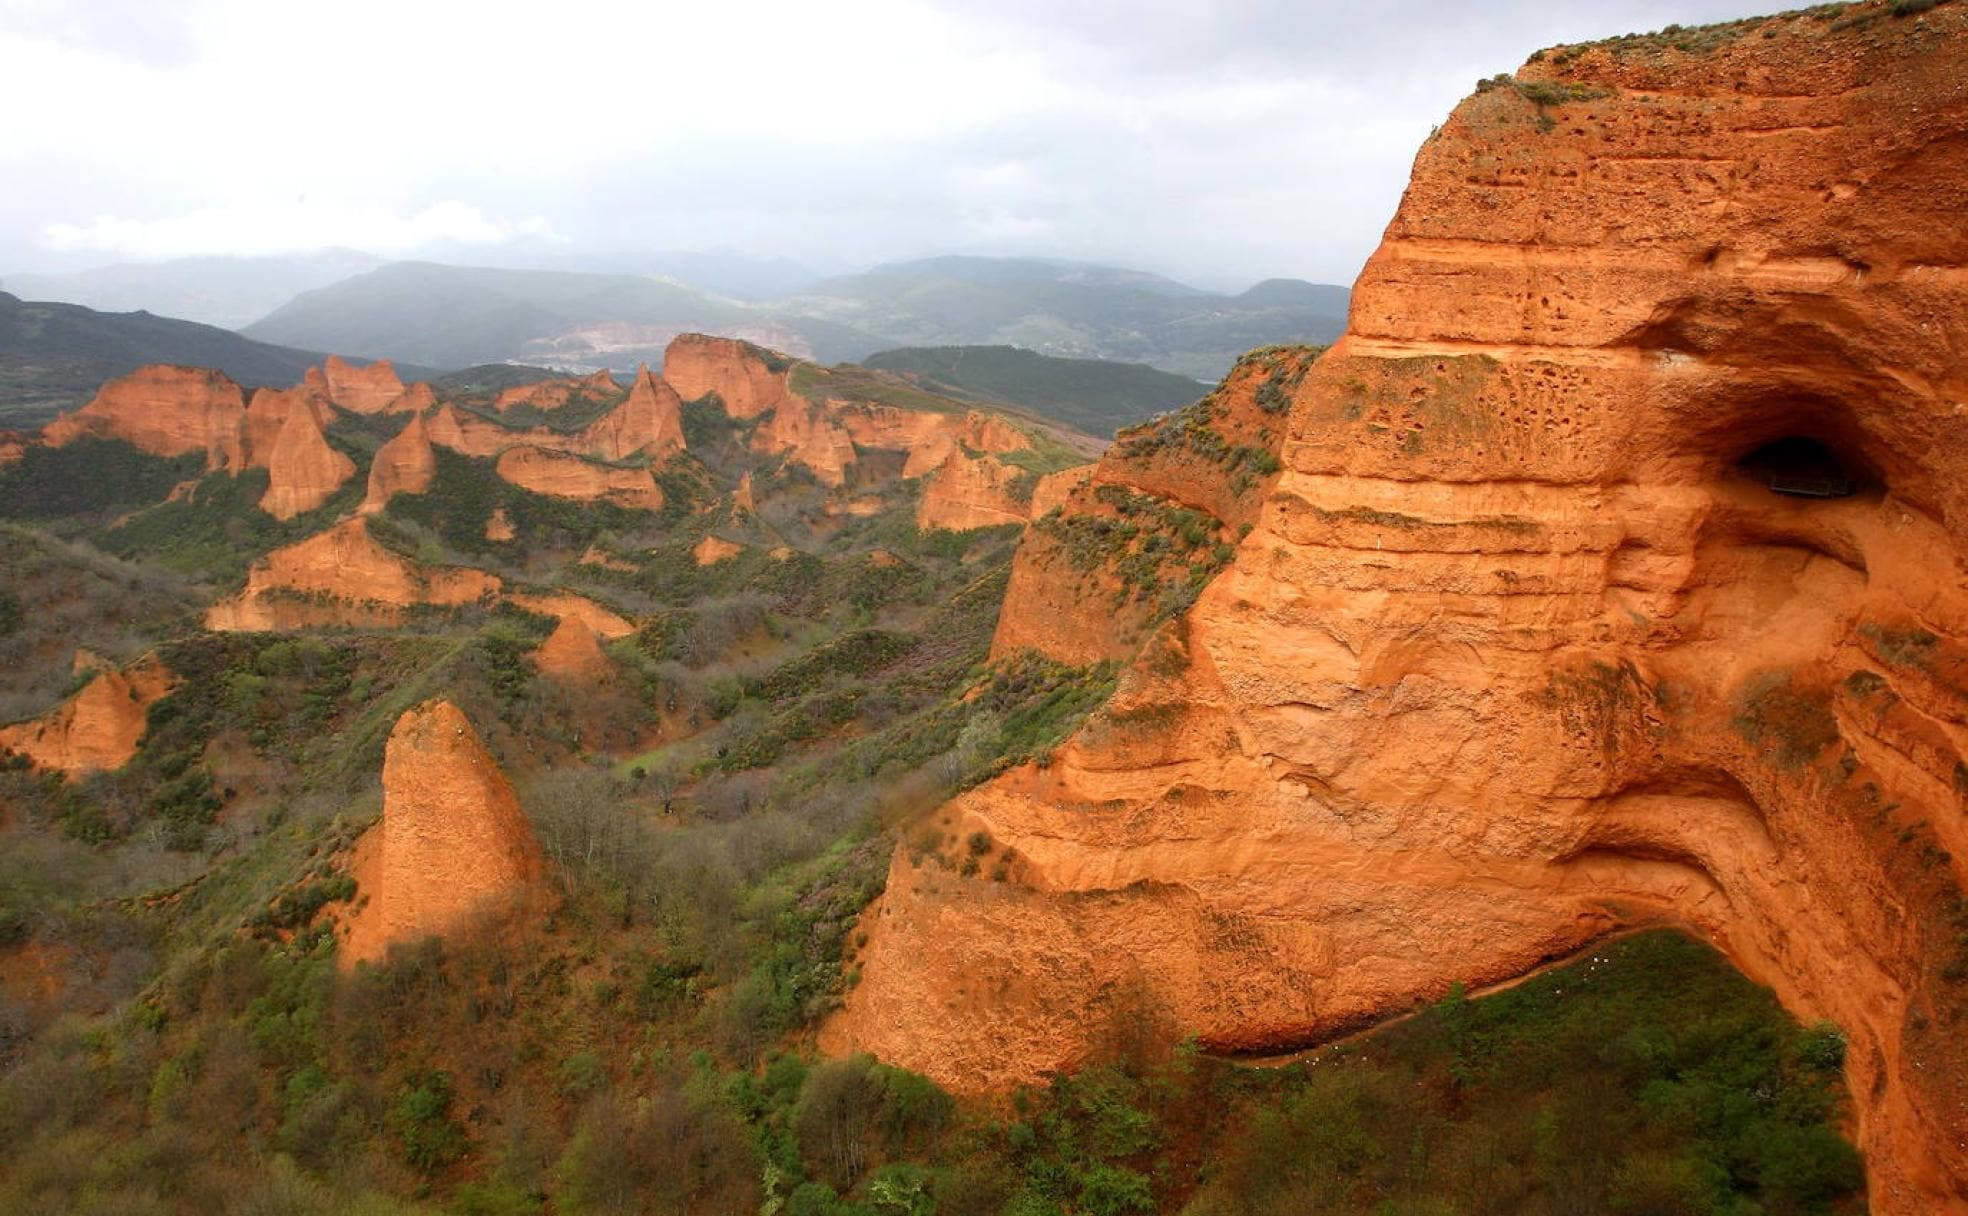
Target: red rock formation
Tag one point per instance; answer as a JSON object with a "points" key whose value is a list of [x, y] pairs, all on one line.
{"points": [[303, 472], [1519, 651], [741, 498], [975, 492], [1218, 457], [359, 390], [470, 435], [738, 372], [99, 727], [341, 577], [417, 399], [565, 476], [572, 654], [805, 434], [649, 423], [404, 465], [165, 410], [13, 446], [498, 526], [555, 393], [453, 847], [714, 549]]}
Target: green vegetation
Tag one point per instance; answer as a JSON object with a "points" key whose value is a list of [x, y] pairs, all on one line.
{"points": [[89, 477], [1159, 554], [715, 815]]}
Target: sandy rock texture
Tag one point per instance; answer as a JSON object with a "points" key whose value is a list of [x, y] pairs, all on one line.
{"points": [[1523, 646], [453, 848], [98, 728], [563, 475]]}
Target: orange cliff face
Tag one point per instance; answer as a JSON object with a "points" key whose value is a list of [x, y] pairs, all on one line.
{"points": [[573, 655], [748, 379], [1521, 650], [404, 465], [164, 410], [453, 848], [341, 577], [649, 423], [360, 390], [1198, 476], [303, 472], [98, 728], [174, 411], [566, 476]]}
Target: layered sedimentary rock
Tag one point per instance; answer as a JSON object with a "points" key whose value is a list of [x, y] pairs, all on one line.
{"points": [[342, 577], [562, 475], [453, 848], [165, 410], [404, 465], [98, 728], [556, 393], [1543, 630]]}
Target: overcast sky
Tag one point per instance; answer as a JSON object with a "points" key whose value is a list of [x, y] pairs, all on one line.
{"points": [[1221, 142]]}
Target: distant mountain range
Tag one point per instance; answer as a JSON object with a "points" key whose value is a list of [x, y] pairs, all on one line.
{"points": [[453, 316], [53, 357], [227, 292]]}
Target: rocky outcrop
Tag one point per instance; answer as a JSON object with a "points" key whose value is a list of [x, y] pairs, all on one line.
{"points": [[572, 654], [747, 379], [714, 549], [303, 472], [561, 475], [805, 434], [648, 424], [498, 526], [453, 849], [470, 435], [175, 411], [167, 411], [1540, 632], [1084, 585], [98, 728], [360, 390], [556, 393], [13, 446], [404, 465], [342, 577], [975, 492]]}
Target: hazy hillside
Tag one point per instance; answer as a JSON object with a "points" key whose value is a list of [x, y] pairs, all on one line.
{"points": [[54, 356], [224, 291], [1075, 310], [455, 316], [1096, 395]]}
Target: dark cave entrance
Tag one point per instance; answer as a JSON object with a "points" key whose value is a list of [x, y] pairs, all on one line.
{"points": [[1798, 466]]}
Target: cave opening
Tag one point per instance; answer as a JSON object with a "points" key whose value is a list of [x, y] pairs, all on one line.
{"points": [[1798, 466]]}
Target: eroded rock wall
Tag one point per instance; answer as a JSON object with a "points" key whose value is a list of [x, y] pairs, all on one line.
{"points": [[1519, 651], [98, 728], [453, 847]]}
